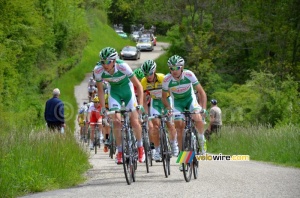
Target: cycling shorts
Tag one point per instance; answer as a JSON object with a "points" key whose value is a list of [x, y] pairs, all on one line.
{"points": [[180, 105], [156, 106], [116, 94]]}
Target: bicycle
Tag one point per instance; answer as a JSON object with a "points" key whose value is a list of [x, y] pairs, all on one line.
{"points": [[146, 142], [96, 141], [190, 142], [165, 146], [129, 146], [111, 143]]}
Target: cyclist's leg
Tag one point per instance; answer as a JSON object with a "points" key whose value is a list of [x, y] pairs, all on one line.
{"points": [[172, 132], [178, 120], [92, 136], [114, 104], [199, 125], [155, 109], [130, 102], [106, 131]]}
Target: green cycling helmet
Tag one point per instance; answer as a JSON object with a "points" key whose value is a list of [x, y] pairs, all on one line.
{"points": [[108, 53], [138, 73], [148, 67], [175, 61]]}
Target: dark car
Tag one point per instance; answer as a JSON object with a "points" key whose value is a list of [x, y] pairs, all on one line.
{"points": [[130, 52]]}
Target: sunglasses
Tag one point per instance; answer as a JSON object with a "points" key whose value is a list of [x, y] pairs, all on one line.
{"points": [[149, 74], [175, 68], [105, 62]]}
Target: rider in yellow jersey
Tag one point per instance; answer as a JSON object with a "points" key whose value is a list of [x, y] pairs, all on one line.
{"points": [[153, 83], [81, 119]]}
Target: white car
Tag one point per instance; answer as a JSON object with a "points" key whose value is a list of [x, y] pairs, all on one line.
{"points": [[145, 44]]}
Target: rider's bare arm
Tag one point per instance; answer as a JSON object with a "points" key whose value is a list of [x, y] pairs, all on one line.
{"points": [[202, 94], [164, 99], [140, 93]]}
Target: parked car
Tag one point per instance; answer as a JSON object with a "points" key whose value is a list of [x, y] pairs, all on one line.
{"points": [[135, 36], [121, 34], [144, 43], [130, 52]]}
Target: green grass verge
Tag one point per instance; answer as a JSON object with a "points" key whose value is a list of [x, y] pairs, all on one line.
{"points": [[279, 145], [36, 160]]}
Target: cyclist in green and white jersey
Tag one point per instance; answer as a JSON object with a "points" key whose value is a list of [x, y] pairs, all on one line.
{"points": [[180, 84], [122, 81]]}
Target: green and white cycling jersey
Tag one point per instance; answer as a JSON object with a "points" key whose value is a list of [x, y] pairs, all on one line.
{"points": [[120, 85], [182, 92]]}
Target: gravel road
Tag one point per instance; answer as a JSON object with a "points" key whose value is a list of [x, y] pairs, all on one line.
{"points": [[216, 178]]}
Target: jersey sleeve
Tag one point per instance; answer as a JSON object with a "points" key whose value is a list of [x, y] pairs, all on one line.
{"points": [[125, 69], [166, 82], [191, 76], [98, 71]]}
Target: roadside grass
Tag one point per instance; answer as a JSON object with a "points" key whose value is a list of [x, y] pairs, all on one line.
{"points": [[262, 143], [37, 160]]}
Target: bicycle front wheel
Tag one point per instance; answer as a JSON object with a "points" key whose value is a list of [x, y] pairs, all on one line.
{"points": [[187, 168], [127, 158], [165, 155], [197, 151]]}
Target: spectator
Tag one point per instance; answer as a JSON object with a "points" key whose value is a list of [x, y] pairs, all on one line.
{"points": [[54, 112], [215, 118]]}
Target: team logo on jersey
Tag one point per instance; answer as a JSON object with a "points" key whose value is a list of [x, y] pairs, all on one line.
{"points": [[180, 89]]}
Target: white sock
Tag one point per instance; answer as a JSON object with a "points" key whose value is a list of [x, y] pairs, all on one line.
{"points": [[201, 137]]}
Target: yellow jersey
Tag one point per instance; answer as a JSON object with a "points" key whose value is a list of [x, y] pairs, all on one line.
{"points": [[154, 88]]}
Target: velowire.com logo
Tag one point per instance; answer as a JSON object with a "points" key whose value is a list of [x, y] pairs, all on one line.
{"points": [[188, 156]]}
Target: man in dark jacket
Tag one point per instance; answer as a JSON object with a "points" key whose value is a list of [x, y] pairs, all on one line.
{"points": [[54, 112]]}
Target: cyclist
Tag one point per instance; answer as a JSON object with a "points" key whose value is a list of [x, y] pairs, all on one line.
{"points": [[92, 82], [153, 82], [180, 84], [81, 121], [94, 118], [121, 80], [92, 90]]}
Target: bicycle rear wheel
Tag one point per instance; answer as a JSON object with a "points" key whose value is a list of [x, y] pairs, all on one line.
{"points": [[187, 168], [127, 159]]}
